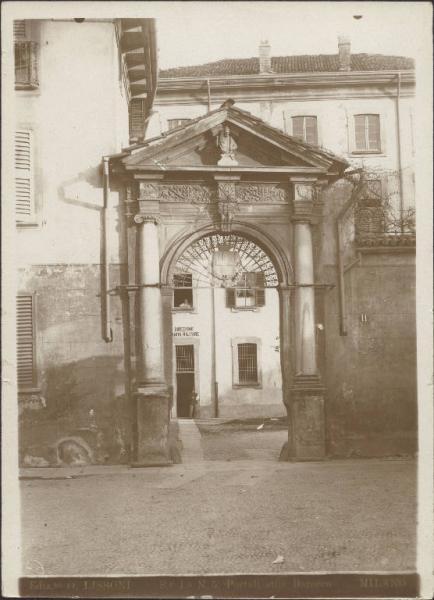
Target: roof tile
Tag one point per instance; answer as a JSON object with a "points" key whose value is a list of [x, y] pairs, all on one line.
{"points": [[307, 63]]}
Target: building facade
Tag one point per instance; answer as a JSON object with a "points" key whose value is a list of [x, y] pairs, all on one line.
{"points": [[72, 110], [359, 107], [239, 238]]}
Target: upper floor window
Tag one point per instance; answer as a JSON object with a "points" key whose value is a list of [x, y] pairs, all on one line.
{"points": [[305, 128], [26, 373], [137, 115], [183, 291], [24, 186], [367, 133], [248, 293], [26, 65], [174, 123]]}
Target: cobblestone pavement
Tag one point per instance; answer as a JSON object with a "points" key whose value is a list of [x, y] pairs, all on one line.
{"points": [[220, 515]]}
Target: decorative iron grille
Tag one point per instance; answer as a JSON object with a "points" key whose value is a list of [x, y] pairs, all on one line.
{"points": [[184, 359], [198, 259], [247, 363]]}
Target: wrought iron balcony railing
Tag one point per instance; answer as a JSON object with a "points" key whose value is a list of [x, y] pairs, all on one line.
{"points": [[26, 65]]}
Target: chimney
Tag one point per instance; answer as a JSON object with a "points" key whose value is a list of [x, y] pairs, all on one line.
{"points": [[344, 46], [264, 57]]}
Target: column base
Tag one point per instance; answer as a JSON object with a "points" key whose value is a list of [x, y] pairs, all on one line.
{"points": [[153, 406], [306, 419]]}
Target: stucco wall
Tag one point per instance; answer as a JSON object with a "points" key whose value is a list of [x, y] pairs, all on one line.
{"points": [[263, 324]]}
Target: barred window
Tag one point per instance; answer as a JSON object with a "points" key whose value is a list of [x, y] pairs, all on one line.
{"points": [[305, 129], [247, 363], [367, 133], [184, 358]]}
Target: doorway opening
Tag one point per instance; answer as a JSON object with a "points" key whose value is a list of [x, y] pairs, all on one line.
{"points": [[184, 380]]}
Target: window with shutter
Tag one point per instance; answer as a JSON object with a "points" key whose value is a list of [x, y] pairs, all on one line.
{"points": [[137, 115], [367, 133], [305, 128], [20, 30], [25, 342], [248, 293], [24, 188]]}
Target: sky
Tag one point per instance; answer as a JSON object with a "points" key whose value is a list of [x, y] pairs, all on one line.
{"points": [[195, 32]]}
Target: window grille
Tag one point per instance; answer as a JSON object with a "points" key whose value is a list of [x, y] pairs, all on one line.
{"points": [[183, 290], [174, 123], [305, 128], [184, 359], [367, 133], [25, 342], [24, 193], [247, 363]]}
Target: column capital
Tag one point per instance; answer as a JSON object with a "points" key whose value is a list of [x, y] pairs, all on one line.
{"points": [[304, 193], [141, 219]]}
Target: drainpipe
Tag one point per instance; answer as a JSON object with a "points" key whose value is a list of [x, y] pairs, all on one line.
{"points": [[340, 258], [398, 134], [107, 333]]}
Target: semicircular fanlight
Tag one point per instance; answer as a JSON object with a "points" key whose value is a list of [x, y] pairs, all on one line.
{"points": [[223, 260]]}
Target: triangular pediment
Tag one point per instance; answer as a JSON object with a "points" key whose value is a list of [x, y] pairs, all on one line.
{"points": [[229, 137]]}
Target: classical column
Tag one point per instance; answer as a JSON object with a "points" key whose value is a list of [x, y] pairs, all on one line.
{"points": [[307, 392], [152, 393]]}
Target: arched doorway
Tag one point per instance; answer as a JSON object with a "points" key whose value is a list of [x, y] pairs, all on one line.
{"points": [[226, 327]]}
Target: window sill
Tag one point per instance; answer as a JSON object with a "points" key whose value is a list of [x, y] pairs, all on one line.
{"points": [[364, 152], [184, 310], [245, 308], [255, 386]]}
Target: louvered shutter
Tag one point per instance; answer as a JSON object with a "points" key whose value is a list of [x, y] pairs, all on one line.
{"points": [[260, 289], [230, 297], [311, 130], [137, 118], [24, 193], [20, 30], [297, 127], [25, 342], [373, 126], [359, 128]]}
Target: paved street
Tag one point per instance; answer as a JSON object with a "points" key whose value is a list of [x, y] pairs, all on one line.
{"points": [[221, 512]]}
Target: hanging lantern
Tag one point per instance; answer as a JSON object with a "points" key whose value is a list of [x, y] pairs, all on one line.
{"points": [[226, 264]]}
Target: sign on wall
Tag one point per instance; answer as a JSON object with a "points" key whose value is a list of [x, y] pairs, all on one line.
{"points": [[184, 332]]}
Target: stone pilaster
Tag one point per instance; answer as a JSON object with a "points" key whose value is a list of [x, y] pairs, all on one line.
{"points": [[306, 410], [152, 394]]}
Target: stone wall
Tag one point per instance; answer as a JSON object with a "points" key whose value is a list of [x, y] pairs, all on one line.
{"points": [[81, 413]]}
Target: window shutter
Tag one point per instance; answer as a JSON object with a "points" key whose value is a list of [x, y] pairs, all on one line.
{"points": [[20, 32], [297, 127], [373, 131], [311, 130], [25, 342], [137, 118], [230, 297], [24, 193], [260, 293], [359, 128]]}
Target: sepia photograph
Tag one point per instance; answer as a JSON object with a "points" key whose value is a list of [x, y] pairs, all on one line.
{"points": [[217, 299]]}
